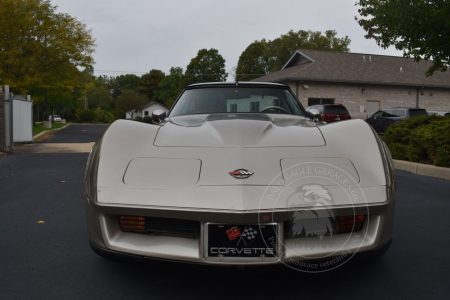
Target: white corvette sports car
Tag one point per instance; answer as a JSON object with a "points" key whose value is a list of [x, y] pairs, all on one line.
{"points": [[240, 174]]}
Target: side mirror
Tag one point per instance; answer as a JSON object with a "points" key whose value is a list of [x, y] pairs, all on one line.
{"points": [[314, 114], [158, 115]]}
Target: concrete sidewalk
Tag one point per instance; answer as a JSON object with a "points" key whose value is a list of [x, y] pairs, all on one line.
{"points": [[54, 148]]}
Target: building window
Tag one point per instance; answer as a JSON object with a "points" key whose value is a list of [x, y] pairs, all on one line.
{"points": [[254, 106], [146, 113], [315, 101], [233, 107]]}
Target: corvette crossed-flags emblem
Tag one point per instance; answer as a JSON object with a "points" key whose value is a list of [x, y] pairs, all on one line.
{"points": [[247, 236]]}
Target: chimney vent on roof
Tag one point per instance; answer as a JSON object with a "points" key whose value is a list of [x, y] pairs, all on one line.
{"points": [[370, 58], [401, 69], [364, 57]]}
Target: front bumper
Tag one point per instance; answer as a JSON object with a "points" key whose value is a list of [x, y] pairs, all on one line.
{"points": [[139, 260], [107, 238]]}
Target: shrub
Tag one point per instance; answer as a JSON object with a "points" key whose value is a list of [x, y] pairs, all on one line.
{"points": [[147, 119], [117, 113], [103, 116], [86, 116], [443, 156], [420, 139], [139, 119]]}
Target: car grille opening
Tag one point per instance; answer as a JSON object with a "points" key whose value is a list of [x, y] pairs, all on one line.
{"points": [[323, 226], [160, 226]]}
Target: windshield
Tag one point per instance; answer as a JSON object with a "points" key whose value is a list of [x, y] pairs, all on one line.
{"points": [[237, 100]]}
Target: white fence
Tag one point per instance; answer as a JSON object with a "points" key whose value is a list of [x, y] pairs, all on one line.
{"points": [[22, 120], [16, 120]]}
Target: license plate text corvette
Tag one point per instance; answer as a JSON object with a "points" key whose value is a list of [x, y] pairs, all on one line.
{"points": [[241, 241]]}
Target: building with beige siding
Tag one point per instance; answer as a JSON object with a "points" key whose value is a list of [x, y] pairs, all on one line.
{"points": [[364, 83]]}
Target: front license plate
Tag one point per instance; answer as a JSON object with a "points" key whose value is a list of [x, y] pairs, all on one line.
{"points": [[247, 241], [337, 118]]}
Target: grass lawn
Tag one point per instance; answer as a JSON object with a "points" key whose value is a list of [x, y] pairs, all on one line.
{"points": [[39, 127]]}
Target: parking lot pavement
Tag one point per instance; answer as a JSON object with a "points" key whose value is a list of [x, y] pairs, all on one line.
{"points": [[44, 250]]}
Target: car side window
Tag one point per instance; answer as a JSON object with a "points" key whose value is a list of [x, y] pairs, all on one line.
{"points": [[378, 114], [400, 113], [388, 113]]}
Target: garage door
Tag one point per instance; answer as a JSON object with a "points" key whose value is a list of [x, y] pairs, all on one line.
{"points": [[372, 107]]}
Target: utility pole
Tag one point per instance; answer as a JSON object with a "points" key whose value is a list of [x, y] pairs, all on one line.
{"points": [[417, 97], [46, 104], [8, 143]]}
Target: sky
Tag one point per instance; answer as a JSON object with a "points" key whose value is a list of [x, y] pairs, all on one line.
{"points": [[135, 36]]}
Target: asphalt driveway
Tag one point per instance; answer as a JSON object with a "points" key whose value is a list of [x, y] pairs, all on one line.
{"points": [[44, 251]]}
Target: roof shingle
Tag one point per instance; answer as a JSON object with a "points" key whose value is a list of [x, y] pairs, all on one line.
{"points": [[357, 68]]}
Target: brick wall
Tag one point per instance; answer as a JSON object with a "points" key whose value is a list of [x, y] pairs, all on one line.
{"points": [[352, 97]]}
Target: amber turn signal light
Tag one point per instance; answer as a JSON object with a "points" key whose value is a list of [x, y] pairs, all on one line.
{"points": [[350, 223], [132, 223]]}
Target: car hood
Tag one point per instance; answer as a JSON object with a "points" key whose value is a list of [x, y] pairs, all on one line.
{"points": [[132, 170], [239, 130]]}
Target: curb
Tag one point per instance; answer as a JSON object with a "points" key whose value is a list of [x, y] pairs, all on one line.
{"points": [[47, 132], [422, 169]]}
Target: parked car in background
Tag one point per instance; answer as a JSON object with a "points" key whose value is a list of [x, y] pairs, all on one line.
{"points": [[438, 112], [57, 118], [382, 119], [331, 112]]}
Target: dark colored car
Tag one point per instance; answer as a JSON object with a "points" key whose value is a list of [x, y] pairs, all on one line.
{"points": [[442, 113], [381, 120], [331, 112]]}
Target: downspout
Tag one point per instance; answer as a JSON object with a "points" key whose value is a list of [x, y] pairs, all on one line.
{"points": [[417, 97]]}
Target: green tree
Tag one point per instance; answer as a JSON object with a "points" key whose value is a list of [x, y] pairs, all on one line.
{"points": [[85, 81], [253, 62], [421, 29], [263, 57], [41, 47], [207, 66], [98, 96], [60, 102], [149, 83], [115, 85], [131, 102], [123, 82], [171, 86]]}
